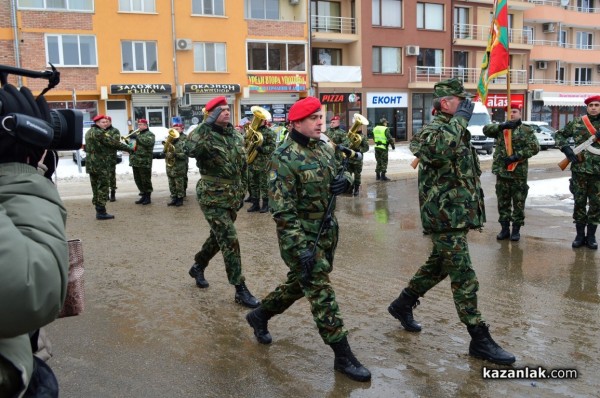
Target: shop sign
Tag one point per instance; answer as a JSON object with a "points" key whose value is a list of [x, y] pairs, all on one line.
{"points": [[501, 100], [280, 83], [387, 100], [207, 88], [140, 88], [337, 98]]}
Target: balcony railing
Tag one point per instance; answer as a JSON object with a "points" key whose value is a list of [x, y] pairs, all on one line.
{"points": [[564, 82], [467, 75], [329, 24], [556, 43], [482, 32], [556, 3]]}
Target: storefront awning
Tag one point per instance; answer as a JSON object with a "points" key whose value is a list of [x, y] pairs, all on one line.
{"points": [[563, 101]]}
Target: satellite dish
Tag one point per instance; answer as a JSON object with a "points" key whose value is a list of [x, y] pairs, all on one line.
{"points": [[564, 3]]}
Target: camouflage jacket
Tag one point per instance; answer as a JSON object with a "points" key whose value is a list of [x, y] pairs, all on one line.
{"points": [[300, 172], [100, 149], [362, 148], [450, 192], [268, 146], [221, 157], [575, 129], [338, 137], [179, 168], [116, 134], [143, 148], [524, 143]]}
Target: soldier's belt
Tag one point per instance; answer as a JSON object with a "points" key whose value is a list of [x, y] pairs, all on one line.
{"points": [[311, 216], [219, 180]]}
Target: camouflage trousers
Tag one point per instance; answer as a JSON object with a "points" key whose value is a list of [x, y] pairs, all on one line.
{"points": [[511, 194], [318, 291], [257, 180], [176, 186], [143, 179], [100, 187], [356, 169], [112, 176], [381, 156], [223, 237], [586, 192], [450, 257]]}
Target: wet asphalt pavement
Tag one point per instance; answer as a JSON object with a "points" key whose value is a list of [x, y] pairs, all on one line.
{"points": [[148, 331]]}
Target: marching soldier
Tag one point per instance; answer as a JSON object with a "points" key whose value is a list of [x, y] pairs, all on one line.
{"points": [[141, 161], [511, 181], [176, 163], [116, 134], [302, 178], [355, 164], [100, 147], [383, 139], [221, 157], [449, 172], [257, 170], [585, 172]]}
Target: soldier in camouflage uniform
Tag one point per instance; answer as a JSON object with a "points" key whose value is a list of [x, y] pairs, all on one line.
{"points": [[116, 134], [453, 204], [585, 173], [258, 172], [383, 139], [303, 176], [355, 164], [221, 157], [176, 162], [141, 161], [100, 147], [511, 186]]}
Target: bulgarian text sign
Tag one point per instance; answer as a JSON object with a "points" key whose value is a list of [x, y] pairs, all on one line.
{"points": [[269, 83], [387, 100], [501, 100], [207, 88], [140, 88]]}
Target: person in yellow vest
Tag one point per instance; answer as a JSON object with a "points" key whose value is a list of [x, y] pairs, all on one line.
{"points": [[383, 139]]}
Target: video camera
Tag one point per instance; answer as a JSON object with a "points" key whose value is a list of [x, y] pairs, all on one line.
{"points": [[30, 120]]}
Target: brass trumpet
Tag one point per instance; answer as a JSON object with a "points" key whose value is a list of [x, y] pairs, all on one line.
{"points": [[254, 138], [353, 135], [169, 147], [126, 138]]}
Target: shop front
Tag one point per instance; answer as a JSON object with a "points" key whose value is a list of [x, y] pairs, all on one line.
{"points": [[391, 107], [344, 105], [148, 101], [557, 109], [497, 101], [196, 95]]}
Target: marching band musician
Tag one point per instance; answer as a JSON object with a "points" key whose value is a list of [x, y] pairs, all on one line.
{"points": [[116, 134], [141, 161], [221, 157], [176, 163], [258, 172]]}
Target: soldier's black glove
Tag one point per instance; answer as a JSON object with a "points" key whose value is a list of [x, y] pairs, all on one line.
{"points": [[214, 115], [511, 159], [339, 185], [133, 137], [510, 125], [349, 152], [307, 262], [260, 149], [393, 146], [568, 151], [465, 109]]}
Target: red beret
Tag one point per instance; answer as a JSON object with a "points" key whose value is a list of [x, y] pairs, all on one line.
{"points": [[304, 108], [142, 121], [514, 105], [213, 103], [595, 98], [99, 117], [109, 118], [335, 118]]}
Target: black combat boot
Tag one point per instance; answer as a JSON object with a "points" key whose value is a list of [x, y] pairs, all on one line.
{"points": [[590, 240], [147, 199], [259, 319], [141, 199], [101, 214], [197, 272], [505, 232], [173, 202], [377, 176], [265, 206], [179, 202], [244, 297], [255, 206], [112, 195], [484, 347], [384, 178], [346, 363], [248, 199], [516, 233], [401, 309], [580, 238], [356, 190]]}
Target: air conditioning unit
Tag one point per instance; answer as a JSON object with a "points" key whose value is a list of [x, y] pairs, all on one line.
{"points": [[537, 95], [542, 64], [294, 2], [548, 27], [183, 44], [412, 50]]}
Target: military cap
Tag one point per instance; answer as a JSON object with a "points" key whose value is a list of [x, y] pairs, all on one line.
{"points": [[449, 87], [99, 117], [213, 103], [143, 121], [514, 105], [304, 108], [594, 98], [336, 117]]}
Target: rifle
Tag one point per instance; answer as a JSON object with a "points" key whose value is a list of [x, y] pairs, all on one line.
{"points": [[577, 150]]}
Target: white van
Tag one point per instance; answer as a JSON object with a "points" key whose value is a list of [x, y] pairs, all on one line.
{"points": [[480, 118]]}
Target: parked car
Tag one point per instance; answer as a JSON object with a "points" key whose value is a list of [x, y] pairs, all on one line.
{"points": [[544, 133], [160, 135], [480, 118]]}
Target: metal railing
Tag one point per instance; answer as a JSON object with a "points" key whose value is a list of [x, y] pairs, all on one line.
{"points": [[575, 46], [482, 32], [329, 24], [467, 75], [564, 82], [555, 3]]}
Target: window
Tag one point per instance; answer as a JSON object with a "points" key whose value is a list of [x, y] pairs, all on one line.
{"points": [[70, 5], [461, 23], [276, 56], [430, 16], [326, 16], [585, 5], [461, 63], [326, 56], [139, 56], [210, 57], [208, 7], [262, 9], [71, 50], [137, 5], [387, 60], [583, 76], [432, 58], [584, 40], [560, 75], [387, 13]]}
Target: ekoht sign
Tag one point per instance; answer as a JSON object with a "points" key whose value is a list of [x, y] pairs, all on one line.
{"points": [[387, 100]]}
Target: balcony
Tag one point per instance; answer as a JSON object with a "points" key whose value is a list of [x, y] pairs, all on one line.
{"points": [[477, 35], [329, 29], [553, 11], [565, 52], [336, 74], [427, 76]]}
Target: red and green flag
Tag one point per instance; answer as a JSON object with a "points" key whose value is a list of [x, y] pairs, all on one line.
{"points": [[495, 60]]}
